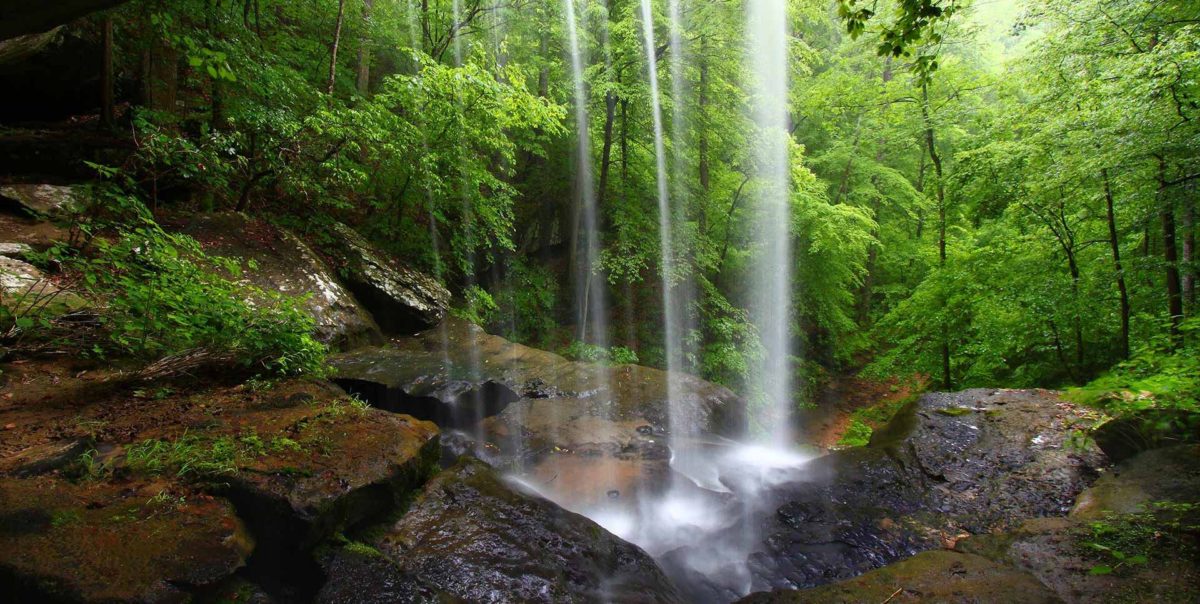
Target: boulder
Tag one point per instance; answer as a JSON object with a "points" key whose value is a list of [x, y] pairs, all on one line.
{"points": [[347, 467], [24, 288], [284, 264], [473, 536], [43, 201], [1124, 437], [948, 466], [401, 299], [360, 575], [1169, 474], [308, 462], [17, 277], [113, 543], [15, 251], [937, 576]]}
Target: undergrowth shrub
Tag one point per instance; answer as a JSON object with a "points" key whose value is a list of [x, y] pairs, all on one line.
{"points": [[160, 295]]}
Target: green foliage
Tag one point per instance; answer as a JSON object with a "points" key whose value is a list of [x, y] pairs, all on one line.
{"points": [[1162, 375], [164, 296], [478, 306], [203, 458], [529, 294], [591, 353], [1164, 530], [858, 434]]}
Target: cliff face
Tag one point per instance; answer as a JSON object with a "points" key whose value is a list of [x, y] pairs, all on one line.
{"points": [[24, 18]]}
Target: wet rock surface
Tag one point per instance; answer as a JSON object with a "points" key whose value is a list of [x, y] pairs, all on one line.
{"points": [[366, 577], [1167, 474], [402, 300], [298, 462], [1058, 552], [285, 264], [459, 365], [474, 536], [139, 542], [580, 430], [362, 467], [948, 466], [936, 576]]}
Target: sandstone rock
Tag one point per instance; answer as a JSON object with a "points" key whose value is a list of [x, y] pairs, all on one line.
{"points": [[471, 535], [401, 299], [48, 201], [16, 251], [113, 543], [24, 287], [345, 469], [460, 367], [286, 265]]}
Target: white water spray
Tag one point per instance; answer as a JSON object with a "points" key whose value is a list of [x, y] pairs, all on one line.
{"points": [[772, 276]]}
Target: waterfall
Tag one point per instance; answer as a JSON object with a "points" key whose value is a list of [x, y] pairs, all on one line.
{"points": [[672, 337], [590, 287], [771, 281]]}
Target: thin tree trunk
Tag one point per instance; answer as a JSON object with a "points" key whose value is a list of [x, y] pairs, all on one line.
{"points": [[1115, 244], [1073, 265], [625, 144], [1170, 253], [363, 83], [1189, 252], [702, 142], [216, 109], [337, 41], [107, 84], [940, 189], [610, 114]]}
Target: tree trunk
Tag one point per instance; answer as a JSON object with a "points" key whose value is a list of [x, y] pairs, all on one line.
{"points": [[610, 114], [337, 41], [363, 82], [107, 93], [1073, 266], [216, 109], [1189, 252], [1170, 253], [940, 189], [702, 142], [160, 65], [1115, 244], [625, 144]]}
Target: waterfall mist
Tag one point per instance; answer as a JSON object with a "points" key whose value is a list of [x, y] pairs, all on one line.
{"points": [[771, 280]]}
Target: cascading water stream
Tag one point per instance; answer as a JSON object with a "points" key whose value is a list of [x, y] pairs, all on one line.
{"points": [[678, 430], [771, 283], [590, 294]]}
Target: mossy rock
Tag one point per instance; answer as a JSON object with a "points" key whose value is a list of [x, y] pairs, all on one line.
{"points": [[94, 542], [936, 576]]}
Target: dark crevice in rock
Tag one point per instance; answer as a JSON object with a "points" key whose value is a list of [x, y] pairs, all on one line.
{"points": [[456, 406]]}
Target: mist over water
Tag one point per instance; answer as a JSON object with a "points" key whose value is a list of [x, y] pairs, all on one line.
{"points": [[771, 281]]}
